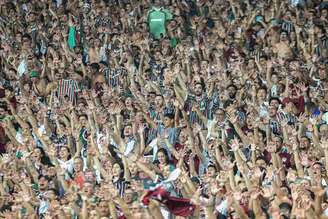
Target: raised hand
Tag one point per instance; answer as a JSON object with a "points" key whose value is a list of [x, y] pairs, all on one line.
{"points": [[195, 198], [303, 87], [297, 29], [235, 144], [318, 191], [197, 128], [52, 152], [302, 117]]}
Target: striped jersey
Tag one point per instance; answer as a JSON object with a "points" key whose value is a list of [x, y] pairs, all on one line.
{"points": [[67, 88], [121, 185], [204, 106], [287, 26], [322, 45], [115, 76], [156, 117]]}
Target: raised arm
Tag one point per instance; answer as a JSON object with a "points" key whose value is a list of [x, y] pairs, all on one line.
{"points": [[142, 166]]}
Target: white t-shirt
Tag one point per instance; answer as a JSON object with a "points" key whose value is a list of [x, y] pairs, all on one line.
{"points": [[68, 166]]}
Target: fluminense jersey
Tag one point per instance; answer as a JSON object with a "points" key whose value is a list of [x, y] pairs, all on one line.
{"points": [[157, 21]]}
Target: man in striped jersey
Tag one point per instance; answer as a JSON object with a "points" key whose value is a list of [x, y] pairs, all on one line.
{"points": [[197, 101], [273, 121], [158, 109]]}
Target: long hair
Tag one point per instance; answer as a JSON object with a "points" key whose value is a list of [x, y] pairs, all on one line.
{"points": [[45, 160], [166, 154], [68, 150], [121, 176]]}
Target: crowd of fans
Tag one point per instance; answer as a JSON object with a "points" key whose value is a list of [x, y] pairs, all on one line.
{"points": [[163, 109]]}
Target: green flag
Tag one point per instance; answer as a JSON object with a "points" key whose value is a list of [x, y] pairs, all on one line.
{"points": [[71, 37]]}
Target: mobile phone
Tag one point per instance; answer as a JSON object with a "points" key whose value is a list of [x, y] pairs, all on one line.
{"points": [[19, 154], [2, 93], [258, 18]]}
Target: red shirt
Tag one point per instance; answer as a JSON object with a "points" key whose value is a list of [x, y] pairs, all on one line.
{"points": [[285, 158], [78, 180], [299, 103]]}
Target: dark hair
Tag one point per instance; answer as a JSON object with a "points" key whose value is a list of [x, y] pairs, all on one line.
{"points": [[12, 69], [123, 128], [166, 154], [263, 88], [121, 167], [95, 66], [263, 133], [232, 85], [284, 31], [307, 138], [159, 95], [104, 63], [274, 98], [152, 92], [281, 140], [195, 179], [211, 165], [69, 151], [44, 176], [83, 115], [199, 83], [288, 189], [261, 158], [169, 115], [78, 157], [27, 36], [285, 205], [45, 160]]}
